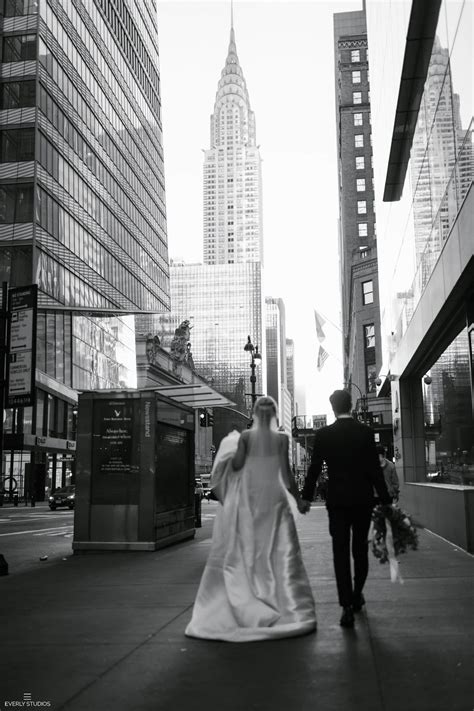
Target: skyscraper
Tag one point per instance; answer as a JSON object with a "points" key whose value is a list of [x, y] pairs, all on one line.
{"points": [[357, 231], [232, 173], [223, 304], [223, 298], [276, 350], [82, 203]]}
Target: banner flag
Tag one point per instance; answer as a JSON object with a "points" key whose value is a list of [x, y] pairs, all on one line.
{"points": [[322, 357], [319, 326]]}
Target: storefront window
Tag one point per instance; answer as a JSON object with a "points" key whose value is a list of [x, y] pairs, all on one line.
{"points": [[449, 425]]}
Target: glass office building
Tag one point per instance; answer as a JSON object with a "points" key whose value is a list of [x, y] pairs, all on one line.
{"points": [[82, 203], [424, 171], [224, 304]]}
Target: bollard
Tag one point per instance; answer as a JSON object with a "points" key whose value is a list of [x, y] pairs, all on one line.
{"points": [[15, 499], [2, 496], [3, 565], [197, 510]]}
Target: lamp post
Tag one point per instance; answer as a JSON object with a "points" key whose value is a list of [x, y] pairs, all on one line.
{"points": [[255, 357]]}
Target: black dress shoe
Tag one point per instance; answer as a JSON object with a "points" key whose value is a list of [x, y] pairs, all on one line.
{"points": [[347, 619], [357, 602]]}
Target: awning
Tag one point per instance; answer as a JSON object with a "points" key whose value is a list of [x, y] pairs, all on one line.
{"points": [[195, 395]]}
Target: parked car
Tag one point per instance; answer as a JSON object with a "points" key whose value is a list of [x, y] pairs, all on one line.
{"points": [[63, 497]]}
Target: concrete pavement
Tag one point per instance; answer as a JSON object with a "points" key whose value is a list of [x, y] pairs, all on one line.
{"points": [[105, 631]]}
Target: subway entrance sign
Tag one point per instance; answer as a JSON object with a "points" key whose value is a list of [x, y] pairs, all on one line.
{"points": [[134, 471]]}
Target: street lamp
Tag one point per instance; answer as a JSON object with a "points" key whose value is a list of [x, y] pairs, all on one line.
{"points": [[255, 357]]}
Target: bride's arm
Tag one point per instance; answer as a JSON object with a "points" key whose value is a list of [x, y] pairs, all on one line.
{"points": [[287, 474], [238, 459]]}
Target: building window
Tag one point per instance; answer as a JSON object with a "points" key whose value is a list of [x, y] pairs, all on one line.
{"points": [[360, 182], [362, 229], [356, 78], [17, 145], [16, 203], [17, 94], [360, 163], [371, 375], [369, 335], [359, 140], [355, 55], [358, 119], [356, 97], [15, 8], [19, 48], [364, 252], [367, 292], [361, 207]]}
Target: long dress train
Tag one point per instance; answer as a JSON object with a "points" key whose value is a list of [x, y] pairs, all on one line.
{"points": [[254, 586]]}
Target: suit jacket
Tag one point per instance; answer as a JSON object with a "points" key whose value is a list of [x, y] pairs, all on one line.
{"points": [[354, 471]]}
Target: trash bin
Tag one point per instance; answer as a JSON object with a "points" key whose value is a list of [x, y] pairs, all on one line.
{"points": [[15, 498]]}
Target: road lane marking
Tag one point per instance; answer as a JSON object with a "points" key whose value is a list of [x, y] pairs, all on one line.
{"points": [[53, 532], [36, 530]]}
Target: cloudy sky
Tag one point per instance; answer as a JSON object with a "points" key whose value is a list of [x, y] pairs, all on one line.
{"points": [[286, 52]]}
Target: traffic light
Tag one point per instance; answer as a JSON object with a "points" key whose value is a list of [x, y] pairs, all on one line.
{"points": [[202, 418], [209, 418]]}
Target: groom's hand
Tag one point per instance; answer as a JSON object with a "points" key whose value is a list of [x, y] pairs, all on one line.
{"points": [[304, 506]]}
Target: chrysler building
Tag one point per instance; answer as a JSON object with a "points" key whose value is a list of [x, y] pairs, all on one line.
{"points": [[232, 173]]}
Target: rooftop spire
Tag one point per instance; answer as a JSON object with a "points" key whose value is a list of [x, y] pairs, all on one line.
{"points": [[232, 34]]}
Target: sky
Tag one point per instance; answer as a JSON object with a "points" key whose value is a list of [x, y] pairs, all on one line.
{"points": [[286, 52]]}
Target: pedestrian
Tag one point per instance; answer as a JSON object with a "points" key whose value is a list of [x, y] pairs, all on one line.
{"points": [[254, 586], [390, 474], [348, 448]]}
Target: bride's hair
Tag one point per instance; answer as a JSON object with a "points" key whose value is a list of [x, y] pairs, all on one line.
{"points": [[265, 410]]}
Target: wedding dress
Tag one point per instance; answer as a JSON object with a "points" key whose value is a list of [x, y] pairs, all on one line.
{"points": [[254, 586]]}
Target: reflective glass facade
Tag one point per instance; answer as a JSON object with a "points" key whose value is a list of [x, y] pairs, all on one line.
{"points": [[448, 417], [426, 246], [82, 197], [224, 305], [414, 230]]}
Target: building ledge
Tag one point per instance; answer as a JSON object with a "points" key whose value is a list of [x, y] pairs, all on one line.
{"points": [[419, 44]]}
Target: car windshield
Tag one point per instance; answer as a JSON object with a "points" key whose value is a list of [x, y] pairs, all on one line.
{"points": [[65, 490]]}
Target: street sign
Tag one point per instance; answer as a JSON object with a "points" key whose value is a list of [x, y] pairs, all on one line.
{"points": [[21, 361], [319, 421]]}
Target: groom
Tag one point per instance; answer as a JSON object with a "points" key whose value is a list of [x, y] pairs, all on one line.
{"points": [[348, 448]]}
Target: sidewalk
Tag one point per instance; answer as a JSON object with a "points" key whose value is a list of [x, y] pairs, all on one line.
{"points": [[105, 631]]}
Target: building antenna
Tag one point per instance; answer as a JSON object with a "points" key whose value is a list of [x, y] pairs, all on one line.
{"points": [[231, 14]]}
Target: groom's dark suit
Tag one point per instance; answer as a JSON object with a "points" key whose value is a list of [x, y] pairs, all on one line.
{"points": [[354, 471]]}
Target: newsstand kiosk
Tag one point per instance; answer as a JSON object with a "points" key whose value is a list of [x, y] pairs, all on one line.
{"points": [[134, 471]]}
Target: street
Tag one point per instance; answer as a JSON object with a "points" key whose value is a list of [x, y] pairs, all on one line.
{"points": [[29, 534]]}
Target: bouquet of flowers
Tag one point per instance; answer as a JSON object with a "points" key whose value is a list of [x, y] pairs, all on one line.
{"points": [[393, 534]]}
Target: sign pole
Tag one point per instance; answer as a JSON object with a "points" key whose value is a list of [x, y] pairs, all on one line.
{"points": [[3, 350]]}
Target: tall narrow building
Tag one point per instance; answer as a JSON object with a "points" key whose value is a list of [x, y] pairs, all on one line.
{"points": [[223, 298], [232, 173], [82, 205], [357, 229]]}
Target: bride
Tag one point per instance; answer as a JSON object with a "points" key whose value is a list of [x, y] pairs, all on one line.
{"points": [[254, 585]]}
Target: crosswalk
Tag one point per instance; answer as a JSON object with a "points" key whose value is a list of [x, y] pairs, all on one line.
{"points": [[30, 522]]}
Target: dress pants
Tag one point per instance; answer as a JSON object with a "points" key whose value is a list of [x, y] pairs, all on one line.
{"points": [[343, 520]]}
